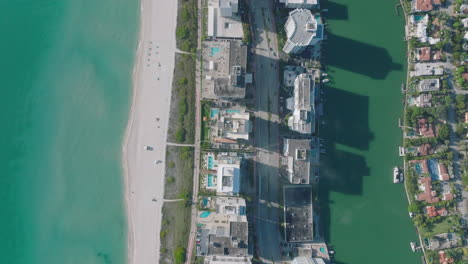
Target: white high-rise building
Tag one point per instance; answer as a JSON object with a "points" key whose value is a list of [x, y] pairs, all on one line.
{"points": [[303, 29]]}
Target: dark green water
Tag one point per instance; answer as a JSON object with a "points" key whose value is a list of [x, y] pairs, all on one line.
{"points": [[364, 215], [66, 85]]}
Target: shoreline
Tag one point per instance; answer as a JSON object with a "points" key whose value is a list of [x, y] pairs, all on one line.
{"points": [[128, 128], [151, 93]]}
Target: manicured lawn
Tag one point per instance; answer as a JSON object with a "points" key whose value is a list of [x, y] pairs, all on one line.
{"points": [[442, 227]]}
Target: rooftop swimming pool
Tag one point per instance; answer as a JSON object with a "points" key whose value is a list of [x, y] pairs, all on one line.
{"points": [[230, 111]]}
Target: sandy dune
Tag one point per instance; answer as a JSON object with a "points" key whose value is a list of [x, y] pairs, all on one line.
{"points": [[152, 79]]}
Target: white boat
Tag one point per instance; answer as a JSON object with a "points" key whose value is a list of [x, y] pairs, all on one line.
{"points": [[396, 175], [324, 74], [401, 176], [325, 80], [413, 246]]}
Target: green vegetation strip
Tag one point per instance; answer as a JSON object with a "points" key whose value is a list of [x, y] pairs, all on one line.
{"points": [[182, 116], [187, 25], [179, 173], [174, 233]]}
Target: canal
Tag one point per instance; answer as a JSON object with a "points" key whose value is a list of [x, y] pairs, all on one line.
{"points": [[363, 214]]}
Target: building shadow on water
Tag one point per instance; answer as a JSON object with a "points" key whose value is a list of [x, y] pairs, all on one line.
{"points": [[359, 57], [336, 11], [341, 170], [347, 119]]}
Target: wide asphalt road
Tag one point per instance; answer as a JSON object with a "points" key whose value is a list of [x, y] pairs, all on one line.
{"points": [[266, 131]]}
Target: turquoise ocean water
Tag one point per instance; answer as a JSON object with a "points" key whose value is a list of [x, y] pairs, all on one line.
{"points": [[66, 86]]}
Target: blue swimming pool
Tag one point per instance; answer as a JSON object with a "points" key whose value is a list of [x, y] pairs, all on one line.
{"points": [[209, 182], [433, 169], [210, 162], [213, 112], [230, 111], [323, 250], [417, 168], [418, 18], [215, 50], [205, 214]]}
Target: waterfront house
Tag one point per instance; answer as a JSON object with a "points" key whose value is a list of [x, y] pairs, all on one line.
{"points": [[428, 194], [429, 85], [425, 129], [422, 100], [425, 5], [443, 241], [424, 150], [443, 258], [417, 27], [443, 173], [308, 4], [425, 54], [427, 69], [303, 29], [432, 211], [420, 166]]}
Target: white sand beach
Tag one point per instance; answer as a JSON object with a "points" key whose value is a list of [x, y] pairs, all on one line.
{"points": [[144, 169]]}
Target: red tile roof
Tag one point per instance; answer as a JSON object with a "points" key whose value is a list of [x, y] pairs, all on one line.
{"points": [[424, 5], [436, 2], [428, 195], [466, 117], [443, 258], [443, 174], [432, 211], [465, 76], [425, 149], [425, 128], [423, 54], [447, 197]]}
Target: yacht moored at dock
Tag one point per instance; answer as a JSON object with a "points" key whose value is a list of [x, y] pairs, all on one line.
{"points": [[396, 175]]}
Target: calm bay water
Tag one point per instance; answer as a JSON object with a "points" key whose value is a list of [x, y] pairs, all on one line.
{"points": [[66, 85], [364, 215]]}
